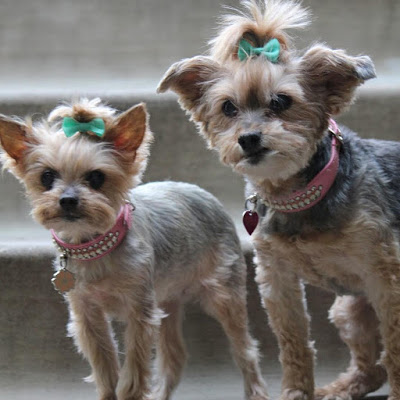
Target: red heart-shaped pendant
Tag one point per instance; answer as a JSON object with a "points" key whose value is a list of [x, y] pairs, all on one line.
{"points": [[250, 221]]}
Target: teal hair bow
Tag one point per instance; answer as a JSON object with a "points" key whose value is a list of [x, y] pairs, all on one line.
{"points": [[271, 50], [70, 126]]}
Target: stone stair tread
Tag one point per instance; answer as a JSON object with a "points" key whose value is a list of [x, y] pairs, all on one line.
{"points": [[138, 88]]}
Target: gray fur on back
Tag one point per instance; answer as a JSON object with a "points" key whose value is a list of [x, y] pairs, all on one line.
{"points": [[183, 232], [180, 221]]}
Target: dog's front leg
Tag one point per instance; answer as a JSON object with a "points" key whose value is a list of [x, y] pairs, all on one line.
{"points": [[143, 321], [282, 295], [93, 336]]}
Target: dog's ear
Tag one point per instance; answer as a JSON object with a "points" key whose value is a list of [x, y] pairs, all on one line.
{"points": [[130, 129], [332, 76], [13, 138], [189, 78]]}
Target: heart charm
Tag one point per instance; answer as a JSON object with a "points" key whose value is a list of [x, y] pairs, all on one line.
{"points": [[250, 221]]}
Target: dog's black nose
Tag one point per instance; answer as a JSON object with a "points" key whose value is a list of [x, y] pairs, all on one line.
{"points": [[250, 142], [68, 203], [69, 200]]}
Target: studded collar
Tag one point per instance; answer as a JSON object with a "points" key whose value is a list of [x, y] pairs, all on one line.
{"points": [[316, 190], [303, 199], [101, 245]]}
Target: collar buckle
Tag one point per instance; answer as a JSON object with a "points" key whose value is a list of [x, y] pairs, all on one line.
{"points": [[335, 131], [252, 199]]}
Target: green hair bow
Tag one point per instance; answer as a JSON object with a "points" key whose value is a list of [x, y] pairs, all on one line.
{"points": [[271, 50], [70, 126]]}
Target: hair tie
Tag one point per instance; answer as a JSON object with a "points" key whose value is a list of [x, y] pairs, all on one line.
{"points": [[270, 50], [71, 126]]}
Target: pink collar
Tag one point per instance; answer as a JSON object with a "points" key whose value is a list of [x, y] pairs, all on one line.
{"points": [[101, 245], [304, 199], [316, 190]]}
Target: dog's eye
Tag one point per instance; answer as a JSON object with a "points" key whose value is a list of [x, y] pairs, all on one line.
{"points": [[96, 179], [229, 109], [280, 102], [47, 178]]}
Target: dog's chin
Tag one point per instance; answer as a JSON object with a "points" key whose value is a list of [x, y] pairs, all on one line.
{"points": [[257, 163], [75, 230], [75, 225], [266, 165], [63, 222], [258, 157], [72, 218], [78, 225]]}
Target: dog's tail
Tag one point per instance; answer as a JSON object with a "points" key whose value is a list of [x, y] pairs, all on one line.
{"points": [[258, 22]]}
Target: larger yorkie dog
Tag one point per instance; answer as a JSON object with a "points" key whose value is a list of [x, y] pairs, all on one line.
{"points": [[327, 201], [136, 256]]}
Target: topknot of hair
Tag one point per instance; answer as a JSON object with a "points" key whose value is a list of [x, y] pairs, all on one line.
{"points": [[83, 110], [257, 22]]}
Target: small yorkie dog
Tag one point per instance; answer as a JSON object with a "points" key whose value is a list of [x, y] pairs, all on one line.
{"points": [[133, 255], [323, 203]]}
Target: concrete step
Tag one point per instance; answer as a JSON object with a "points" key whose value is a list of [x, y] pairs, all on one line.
{"points": [[38, 361], [82, 45]]}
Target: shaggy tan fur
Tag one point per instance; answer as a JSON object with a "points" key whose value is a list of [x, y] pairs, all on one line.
{"points": [[257, 23]]}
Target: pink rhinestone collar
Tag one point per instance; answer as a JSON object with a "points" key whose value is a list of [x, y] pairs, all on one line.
{"points": [[316, 190], [304, 199], [101, 245]]}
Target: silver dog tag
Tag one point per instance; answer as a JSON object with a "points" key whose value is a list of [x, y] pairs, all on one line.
{"points": [[63, 280]]}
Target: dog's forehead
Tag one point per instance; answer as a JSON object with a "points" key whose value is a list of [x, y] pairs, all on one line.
{"points": [[73, 156], [255, 82]]}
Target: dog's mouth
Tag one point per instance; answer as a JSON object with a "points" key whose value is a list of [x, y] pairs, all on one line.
{"points": [[71, 217], [255, 157]]}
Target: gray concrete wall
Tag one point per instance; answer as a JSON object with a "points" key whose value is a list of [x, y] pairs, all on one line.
{"points": [[124, 46]]}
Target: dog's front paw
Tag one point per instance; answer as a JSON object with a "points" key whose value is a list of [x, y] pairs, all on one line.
{"points": [[158, 395], [108, 397], [259, 397], [160, 391], [134, 396], [294, 394], [354, 384], [323, 394], [257, 392]]}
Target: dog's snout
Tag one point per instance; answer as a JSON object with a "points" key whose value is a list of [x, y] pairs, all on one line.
{"points": [[69, 200], [68, 203], [250, 142]]}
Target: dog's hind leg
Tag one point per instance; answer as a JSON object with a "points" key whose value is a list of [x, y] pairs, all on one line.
{"points": [[171, 353], [359, 328], [225, 300], [384, 292]]}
